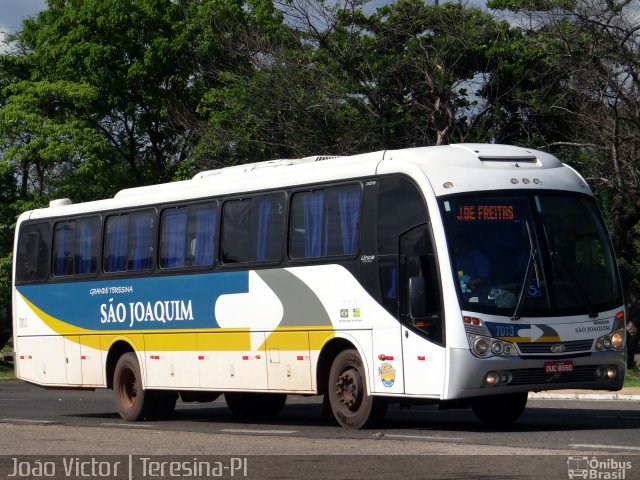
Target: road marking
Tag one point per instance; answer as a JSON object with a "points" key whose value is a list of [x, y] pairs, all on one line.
{"points": [[420, 437], [129, 425], [27, 420], [604, 447], [258, 432]]}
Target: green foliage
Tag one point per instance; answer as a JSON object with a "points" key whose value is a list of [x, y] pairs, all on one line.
{"points": [[534, 5], [147, 64], [42, 137]]}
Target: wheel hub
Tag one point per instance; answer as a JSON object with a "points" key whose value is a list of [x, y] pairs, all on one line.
{"points": [[129, 387], [349, 390]]}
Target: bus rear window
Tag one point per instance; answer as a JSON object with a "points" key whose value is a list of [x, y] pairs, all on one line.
{"points": [[32, 257]]}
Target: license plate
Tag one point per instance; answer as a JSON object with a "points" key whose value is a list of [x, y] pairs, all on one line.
{"points": [[560, 366]]}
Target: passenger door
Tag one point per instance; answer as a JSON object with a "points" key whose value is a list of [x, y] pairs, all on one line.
{"points": [[421, 314]]}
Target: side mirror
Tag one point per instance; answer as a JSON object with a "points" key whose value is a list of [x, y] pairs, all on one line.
{"points": [[417, 297]]}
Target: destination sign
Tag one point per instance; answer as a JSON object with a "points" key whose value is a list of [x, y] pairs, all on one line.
{"points": [[485, 213]]}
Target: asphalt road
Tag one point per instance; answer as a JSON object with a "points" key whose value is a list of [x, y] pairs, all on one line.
{"points": [[551, 437]]}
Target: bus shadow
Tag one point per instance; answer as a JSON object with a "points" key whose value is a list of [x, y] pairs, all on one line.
{"points": [[534, 419], [420, 419], [218, 412]]}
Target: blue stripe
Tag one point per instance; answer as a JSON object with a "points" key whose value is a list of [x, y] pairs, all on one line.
{"points": [[174, 302]]}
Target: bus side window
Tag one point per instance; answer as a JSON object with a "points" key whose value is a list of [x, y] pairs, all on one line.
{"points": [[63, 248], [252, 229], [75, 247], [129, 242], [173, 231], [203, 222], [32, 262], [325, 222], [116, 243], [187, 236], [267, 222], [142, 238], [87, 245]]}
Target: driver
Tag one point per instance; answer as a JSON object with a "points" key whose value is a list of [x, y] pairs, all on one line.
{"points": [[473, 266]]}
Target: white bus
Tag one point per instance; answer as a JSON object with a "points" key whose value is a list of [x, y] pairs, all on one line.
{"points": [[463, 275]]}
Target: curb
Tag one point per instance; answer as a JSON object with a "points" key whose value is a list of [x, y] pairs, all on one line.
{"points": [[583, 396]]}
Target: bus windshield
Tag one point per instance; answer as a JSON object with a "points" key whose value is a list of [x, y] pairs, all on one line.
{"points": [[530, 254]]}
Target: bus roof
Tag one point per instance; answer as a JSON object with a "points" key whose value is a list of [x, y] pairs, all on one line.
{"points": [[448, 168]]}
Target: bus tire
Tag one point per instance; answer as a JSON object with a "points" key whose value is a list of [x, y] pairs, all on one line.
{"points": [[255, 405], [128, 393], [500, 410], [350, 403]]}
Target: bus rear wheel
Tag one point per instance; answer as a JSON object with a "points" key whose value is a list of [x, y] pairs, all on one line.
{"points": [[350, 403], [255, 405], [500, 410], [128, 393], [132, 400]]}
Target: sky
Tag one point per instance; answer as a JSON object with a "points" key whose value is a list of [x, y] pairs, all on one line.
{"points": [[13, 11]]}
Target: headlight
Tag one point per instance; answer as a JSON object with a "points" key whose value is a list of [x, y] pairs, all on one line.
{"points": [[617, 340], [481, 346], [613, 341], [485, 347]]}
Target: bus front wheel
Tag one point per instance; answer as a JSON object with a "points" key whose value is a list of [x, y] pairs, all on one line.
{"points": [[500, 410], [350, 403]]}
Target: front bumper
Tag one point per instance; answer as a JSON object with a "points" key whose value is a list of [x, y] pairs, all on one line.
{"points": [[467, 374]]}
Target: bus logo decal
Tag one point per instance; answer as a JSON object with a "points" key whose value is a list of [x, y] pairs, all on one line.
{"points": [[387, 374]]}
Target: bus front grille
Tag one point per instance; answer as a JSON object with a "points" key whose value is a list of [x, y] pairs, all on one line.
{"points": [[546, 347]]}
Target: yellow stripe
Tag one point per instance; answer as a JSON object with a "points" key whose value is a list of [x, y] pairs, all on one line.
{"points": [[223, 341], [91, 341], [318, 338], [135, 340], [528, 339]]}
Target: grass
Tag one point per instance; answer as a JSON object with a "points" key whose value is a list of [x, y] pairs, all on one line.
{"points": [[6, 371], [632, 378]]}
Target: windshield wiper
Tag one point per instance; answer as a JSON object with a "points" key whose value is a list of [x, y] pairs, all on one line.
{"points": [[576, 286], [527, 274]]}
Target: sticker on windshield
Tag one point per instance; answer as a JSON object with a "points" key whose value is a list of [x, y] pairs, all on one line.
{"points": [[534, 289]]}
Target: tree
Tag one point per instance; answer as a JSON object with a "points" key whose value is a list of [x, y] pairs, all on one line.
{"points": [[147, 63], [592, 58], [346, 82]]}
